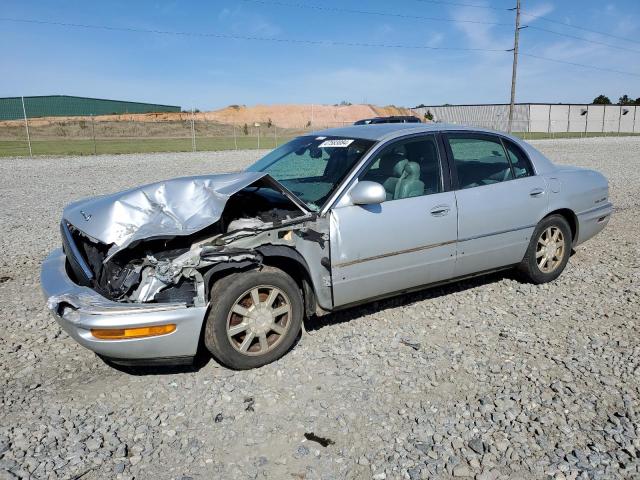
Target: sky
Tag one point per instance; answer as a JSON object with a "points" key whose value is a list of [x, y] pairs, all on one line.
{"points": [[208, 72]]}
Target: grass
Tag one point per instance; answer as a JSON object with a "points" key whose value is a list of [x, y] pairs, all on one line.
{"points": [[11, 148], [84, 146]]}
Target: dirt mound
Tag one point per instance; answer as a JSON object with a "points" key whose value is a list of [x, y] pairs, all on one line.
{"points": [[284, 116], [296, 116]]}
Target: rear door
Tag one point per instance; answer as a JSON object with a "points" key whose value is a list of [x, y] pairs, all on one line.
{"points": [[500, 200], [404, 242]]}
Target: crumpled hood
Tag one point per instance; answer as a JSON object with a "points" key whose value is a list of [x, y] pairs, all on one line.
{"points": [[169, 208]]}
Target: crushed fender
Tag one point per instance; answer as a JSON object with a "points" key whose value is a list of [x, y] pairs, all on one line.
{"points": [[153, 244]]}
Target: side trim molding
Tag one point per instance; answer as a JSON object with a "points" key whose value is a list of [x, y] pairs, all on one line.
{"points": [[497, 233], [392, 254], [426, 247]]}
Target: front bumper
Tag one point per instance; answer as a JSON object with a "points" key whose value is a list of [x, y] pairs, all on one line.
{"points": [[78, 309]]}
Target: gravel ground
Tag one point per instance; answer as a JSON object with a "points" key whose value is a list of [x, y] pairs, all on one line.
{"points": [[503, 380]]}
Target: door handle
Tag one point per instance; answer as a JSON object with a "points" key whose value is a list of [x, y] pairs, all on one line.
{"points": [[440, 210], [536, 192]]}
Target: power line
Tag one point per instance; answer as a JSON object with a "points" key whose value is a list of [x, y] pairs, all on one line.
{"points": [[595, 42], [539, 17], [593, 67], [370, 12], [245, 37], [578, 27], [534, 17], [457, 4], [295, 40], [440, 19]]}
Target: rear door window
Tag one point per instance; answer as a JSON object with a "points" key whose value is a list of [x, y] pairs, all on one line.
{"points": [[479, 160]]}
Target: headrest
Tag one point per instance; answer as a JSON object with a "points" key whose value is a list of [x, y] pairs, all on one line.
{"points": [[411, 170], [398, 168]]}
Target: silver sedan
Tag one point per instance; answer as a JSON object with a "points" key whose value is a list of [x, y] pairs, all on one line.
{"points": [[327, 221]]}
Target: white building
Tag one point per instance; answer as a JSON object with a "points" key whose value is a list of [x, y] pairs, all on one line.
{"points": [[540, 117]]}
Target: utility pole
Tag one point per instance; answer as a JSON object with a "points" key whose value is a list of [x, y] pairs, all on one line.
{"points": [[515, 65]]}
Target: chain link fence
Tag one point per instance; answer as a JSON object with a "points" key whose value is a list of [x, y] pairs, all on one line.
{"points": [[28, 130], [24, 134]]}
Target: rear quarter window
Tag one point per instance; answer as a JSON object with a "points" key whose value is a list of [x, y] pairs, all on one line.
{"points": [[521, 164]]}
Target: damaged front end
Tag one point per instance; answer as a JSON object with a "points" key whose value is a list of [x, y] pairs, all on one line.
{"points": [[160, 243]]}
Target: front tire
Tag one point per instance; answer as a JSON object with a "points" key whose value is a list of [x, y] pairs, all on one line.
{"points": [[255, 318], [548, 251]]}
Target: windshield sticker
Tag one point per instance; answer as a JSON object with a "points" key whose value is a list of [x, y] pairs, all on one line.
{"points": [[336, 143], [320, 138]]}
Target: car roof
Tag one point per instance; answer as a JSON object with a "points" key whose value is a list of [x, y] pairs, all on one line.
{"points": [[387, 131]]}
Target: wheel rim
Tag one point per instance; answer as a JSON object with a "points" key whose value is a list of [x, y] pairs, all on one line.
{"points": [[259, 320], [550, 249]]}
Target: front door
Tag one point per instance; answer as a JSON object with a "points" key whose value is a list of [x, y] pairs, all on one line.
{"points": [[500, 201], [407, 241]]}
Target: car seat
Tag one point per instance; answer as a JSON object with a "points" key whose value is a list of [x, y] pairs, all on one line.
{"points": [[424, 153], [409, 183], [392, 180]]}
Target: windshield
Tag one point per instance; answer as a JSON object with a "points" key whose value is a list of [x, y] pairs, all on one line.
{"points": [[312, 167]]}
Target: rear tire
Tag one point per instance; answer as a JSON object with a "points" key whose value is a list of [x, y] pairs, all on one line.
{"points": [[255, 318], [549, 250]]}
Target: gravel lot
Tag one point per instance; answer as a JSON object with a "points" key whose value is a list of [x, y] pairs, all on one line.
{"points": [[509, 380]]}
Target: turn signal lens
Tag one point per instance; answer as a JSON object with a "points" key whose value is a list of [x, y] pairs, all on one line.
{"points": [[125, 333]]}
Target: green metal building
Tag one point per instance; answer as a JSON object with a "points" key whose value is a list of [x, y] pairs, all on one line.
{"points": [[68, 106]]}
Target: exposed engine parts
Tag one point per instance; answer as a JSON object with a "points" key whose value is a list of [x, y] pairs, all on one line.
{"points": [[172, 268], [160, 274]]}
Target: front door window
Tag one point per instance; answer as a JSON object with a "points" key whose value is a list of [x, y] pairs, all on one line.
{"points": [[407, 168]]}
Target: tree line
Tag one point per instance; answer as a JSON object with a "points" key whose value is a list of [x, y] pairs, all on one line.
{"points": [[623, 100]]}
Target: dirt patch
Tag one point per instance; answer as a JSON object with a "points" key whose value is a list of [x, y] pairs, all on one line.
{"points": [[284, 116]]}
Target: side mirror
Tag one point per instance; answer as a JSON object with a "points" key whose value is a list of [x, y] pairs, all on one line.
{"points": [[368, 193]]}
